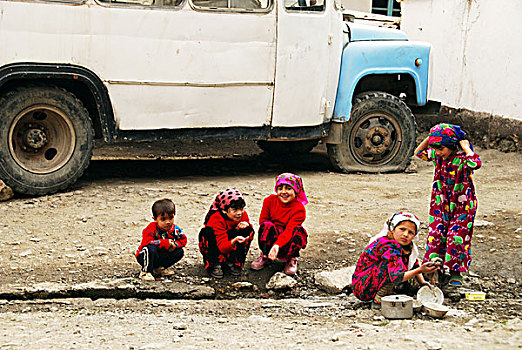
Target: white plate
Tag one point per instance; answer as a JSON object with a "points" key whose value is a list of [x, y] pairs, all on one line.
{"points": [[430, 295]]}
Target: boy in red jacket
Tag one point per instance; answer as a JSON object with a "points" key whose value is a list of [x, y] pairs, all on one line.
{"points": [[281, 234], [162, 243], [225, 239]]}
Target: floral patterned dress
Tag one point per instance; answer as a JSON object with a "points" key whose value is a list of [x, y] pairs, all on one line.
{"points": [[380, 263], [453, 206]]}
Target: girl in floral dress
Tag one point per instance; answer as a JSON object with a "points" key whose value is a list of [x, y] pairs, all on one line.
{"points": [[453, 203], [389, 259]]}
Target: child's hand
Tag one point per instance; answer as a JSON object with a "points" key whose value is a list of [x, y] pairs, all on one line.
{"points": [[238, 239], [172, 245], [465, 146], [242, 225], [428, 267], [272, 255]]}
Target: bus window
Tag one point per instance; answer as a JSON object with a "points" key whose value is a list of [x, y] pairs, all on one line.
{"points": [[305, 5], [231, 4], [156, 3]]}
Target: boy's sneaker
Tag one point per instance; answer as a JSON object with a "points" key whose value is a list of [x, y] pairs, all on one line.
{"points": [[291, 266], [146, 276], [259, 263], [163, 271], [216, 271]]}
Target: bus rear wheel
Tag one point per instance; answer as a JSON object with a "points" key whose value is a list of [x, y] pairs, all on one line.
{"points": [[46, 139]]}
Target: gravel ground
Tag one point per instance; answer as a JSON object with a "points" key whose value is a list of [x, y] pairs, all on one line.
{"points": [[91, 232]]}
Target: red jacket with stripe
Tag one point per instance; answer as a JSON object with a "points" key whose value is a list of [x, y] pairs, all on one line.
{"points": [[153, 235]]}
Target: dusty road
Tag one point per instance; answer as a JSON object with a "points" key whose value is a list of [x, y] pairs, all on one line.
{"points": [[91, 232]]}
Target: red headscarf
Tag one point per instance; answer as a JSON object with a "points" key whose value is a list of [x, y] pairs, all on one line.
{"points": [[222, 200]]}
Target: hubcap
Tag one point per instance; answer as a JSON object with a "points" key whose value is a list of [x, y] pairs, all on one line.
{"points": [[41, 139], [375, 139], [35, 138]]}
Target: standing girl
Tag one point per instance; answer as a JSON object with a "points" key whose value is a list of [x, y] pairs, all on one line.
{"points": [[227, 234], [453, 201], [281, 234], [389, 259]]}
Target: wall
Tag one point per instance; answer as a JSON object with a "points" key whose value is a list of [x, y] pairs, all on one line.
{"points": [[358, 5], [477, 52]]}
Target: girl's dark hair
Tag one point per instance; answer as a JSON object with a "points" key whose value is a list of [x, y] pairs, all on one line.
{"points": [[163, 206], [236, 204]]}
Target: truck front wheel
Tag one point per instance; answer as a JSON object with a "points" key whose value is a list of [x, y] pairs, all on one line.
{"points": [[379, 137], [46, 139]]}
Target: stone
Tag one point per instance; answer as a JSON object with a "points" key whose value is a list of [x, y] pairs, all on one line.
{"points": [[280, 281], [5, 192], [483, 223], [179, 326], [433, 346], [334, 281], [243, 286], [26, 253]]}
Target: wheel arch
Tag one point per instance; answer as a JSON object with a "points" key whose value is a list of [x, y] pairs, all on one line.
{"points": [[393, 83], [393, 66], [80, 81]]}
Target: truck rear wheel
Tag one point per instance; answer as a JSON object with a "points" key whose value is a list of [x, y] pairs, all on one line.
{"points": [[379, 137], [46, 139], [287, 147]]}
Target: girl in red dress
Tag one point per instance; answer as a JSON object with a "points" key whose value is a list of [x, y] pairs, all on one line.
{"points": [[225, 239], [281, 234]]}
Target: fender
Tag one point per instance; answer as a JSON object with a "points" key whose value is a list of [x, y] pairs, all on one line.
{"points": [[362, 58], [49, 72]]}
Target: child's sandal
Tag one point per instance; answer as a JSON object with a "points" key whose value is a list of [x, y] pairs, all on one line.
{"points": [[376, 306], [455, 281], [376, 303]]}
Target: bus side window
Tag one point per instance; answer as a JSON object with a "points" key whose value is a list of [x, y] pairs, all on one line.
{"points": [[305, 5], [152, 3], [231, 4]]}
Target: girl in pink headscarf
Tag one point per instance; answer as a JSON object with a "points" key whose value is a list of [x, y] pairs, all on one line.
{"points": [[225, 239], [281, 234]]}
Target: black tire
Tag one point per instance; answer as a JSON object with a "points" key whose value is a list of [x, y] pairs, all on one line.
{"points": [[46, 139], [379, 137], [287, 147]]}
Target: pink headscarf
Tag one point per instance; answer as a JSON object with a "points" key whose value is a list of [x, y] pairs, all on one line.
{"points": [[222, 200], [296, 183]]}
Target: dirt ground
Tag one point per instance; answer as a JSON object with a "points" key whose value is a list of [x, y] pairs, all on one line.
{"points": [[92, 231]]}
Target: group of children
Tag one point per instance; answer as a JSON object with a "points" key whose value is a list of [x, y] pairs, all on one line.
{"points": [[391, 256], [227, 233]]}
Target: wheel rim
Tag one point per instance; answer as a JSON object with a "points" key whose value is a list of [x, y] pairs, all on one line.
{"points": [[41, 139], [375, 139]]}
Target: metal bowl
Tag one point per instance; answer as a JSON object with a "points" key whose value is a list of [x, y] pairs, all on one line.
{"points": [[417, 305], [435, 310], [427, 294]]}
